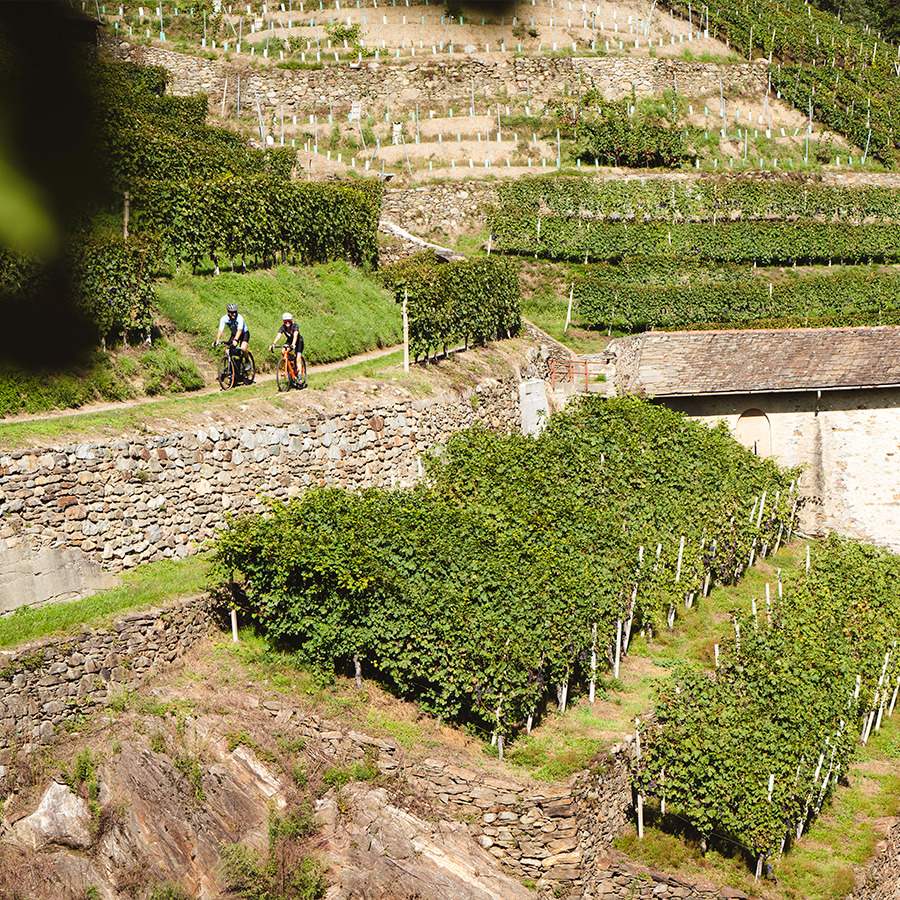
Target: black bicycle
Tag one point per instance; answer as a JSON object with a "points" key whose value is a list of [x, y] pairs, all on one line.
{"points": [[235, 368]]}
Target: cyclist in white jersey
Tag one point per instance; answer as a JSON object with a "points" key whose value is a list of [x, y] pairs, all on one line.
{"points": [[240, 333]]}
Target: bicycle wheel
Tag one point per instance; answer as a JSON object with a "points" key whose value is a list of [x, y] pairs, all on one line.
{"points": [[302, 373], [249, 369], [284, 375], [226, 373]]}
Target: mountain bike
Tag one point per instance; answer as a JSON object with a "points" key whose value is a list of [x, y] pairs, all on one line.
{"points": [[288, 375], [234, 368]]}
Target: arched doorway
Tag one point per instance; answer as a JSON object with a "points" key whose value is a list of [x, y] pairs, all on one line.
{"points": [[754, 432]]}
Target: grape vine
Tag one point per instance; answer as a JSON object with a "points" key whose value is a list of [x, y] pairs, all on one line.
{"points": [[476, 591]]}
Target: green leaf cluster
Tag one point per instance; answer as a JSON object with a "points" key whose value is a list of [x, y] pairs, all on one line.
{"points": [[696, 200], [575, 219], [463, 301], [261, 218], [475, 591], [612, 137]]}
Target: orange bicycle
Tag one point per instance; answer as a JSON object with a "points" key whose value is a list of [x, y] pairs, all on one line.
{"points": [[290, 374]]}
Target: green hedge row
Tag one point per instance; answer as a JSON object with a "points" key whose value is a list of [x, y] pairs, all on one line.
{"points": [[260, 218], [765, 243], [464, 301], [694, 199], [108, 279], [753, 749], [476, 592], [848, 297], [847, 74]]}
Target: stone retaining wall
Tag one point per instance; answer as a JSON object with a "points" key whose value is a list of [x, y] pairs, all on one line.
{"points": [[46, 686], [146, 498], [447, 206], [544, 832], [440, 84], [558, 835]]}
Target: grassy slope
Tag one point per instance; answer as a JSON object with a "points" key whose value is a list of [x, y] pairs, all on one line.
{"points": [[340, 310]]}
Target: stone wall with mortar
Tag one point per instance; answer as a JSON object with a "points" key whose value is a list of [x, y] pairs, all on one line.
{"points": [[46, 686], [848, 443], [440, 84], [145, 498]]}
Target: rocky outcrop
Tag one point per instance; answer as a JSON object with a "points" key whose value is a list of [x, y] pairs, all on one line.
{"points": [[62, 818], [157, 824], [379, 850]]}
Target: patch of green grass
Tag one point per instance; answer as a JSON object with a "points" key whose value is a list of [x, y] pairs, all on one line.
{"points": [[341, 311], [165, 370], [550, 757], [407, 734], [189, 766], [152, 584], [338, 776], [27, 391]]}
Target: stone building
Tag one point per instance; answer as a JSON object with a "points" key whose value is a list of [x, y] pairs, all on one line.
{"points": [[826, 399]]}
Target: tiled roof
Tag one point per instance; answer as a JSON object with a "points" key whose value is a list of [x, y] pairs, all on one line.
{"points": [[711, 362]]}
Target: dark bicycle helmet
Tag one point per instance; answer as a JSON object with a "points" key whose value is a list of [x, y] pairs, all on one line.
{"points": [[232, 307]]}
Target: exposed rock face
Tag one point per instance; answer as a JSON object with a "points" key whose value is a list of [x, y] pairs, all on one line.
{"points": [[170, 828], [62, 818], [160, 825], [379, 850]]}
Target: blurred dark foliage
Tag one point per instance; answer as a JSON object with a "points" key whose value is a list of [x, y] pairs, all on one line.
{"points": [[47, 138]]}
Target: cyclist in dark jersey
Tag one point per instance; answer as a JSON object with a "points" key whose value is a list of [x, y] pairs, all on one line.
{"points": [[292, 339]]}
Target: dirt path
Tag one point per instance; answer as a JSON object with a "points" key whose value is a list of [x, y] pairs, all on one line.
{"points": [[209, 389]]}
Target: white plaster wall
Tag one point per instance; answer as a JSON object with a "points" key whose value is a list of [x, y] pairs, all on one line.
{"points": [[849, 445]]}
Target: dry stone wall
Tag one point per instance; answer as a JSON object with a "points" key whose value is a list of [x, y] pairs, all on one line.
{"points": [[152, 497], [442, 84], [543, 832], [44, 687], [557, 835], [447, 207]]}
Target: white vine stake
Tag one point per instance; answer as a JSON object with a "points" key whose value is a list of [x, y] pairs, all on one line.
{"points": [[716, 654], [771, 785], [593, 662], [680, 557], [768, 606], [778, 539], [762, 503], [640, 797], [753, 608], [618, 647]]}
